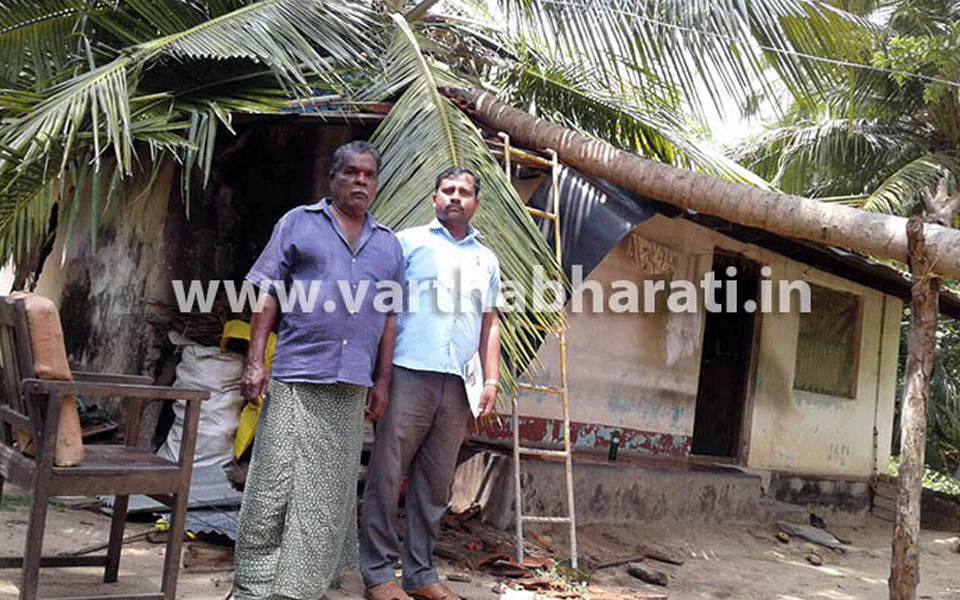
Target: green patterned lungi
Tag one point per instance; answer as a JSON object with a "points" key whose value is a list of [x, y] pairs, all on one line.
{"points": [[298, 520]]}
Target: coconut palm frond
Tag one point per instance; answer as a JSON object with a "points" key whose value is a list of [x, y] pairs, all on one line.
{"points": [[292, 37], [25, 211], [423, 135], [809, 149], [657, 131], [97, 100], [17, 102], [900, 192], [710, 51], [399, 68], [281, 34], [39, 38]]}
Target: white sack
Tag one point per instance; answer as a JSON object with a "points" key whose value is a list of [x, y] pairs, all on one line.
{"points": [[208, 369]]}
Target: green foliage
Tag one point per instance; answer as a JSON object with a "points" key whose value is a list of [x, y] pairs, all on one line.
{"points": [[935, 56], [115, 81], [92, 84], [883, 132], [942, 452], [932, 480]]}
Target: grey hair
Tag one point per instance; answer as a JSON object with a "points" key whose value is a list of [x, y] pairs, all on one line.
{"points": [[351, 148]]}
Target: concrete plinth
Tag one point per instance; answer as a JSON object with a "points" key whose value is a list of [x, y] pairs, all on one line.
{"points": [[617, 493], [608, 492]]}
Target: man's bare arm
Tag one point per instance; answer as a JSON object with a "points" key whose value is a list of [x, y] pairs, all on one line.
{"points": [[378, 395], [253, 383], [490, 359]]}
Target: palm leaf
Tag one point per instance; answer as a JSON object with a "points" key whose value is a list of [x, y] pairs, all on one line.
{"points": [[39, 38], [710, 51], [281, 34], [25, 211], [657, 131], [900, 192], [110, 107], [425, 133], [826, 156]]}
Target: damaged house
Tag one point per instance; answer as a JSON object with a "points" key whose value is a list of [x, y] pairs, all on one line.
{"points": [[716, 407]]}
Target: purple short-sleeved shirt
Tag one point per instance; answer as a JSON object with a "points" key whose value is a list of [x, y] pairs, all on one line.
{"points": [[331, 331]]}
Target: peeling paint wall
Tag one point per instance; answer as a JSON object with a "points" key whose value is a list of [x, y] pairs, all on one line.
{"points": [[105, 291], [637, 374], [621, 373], [804, 432]]}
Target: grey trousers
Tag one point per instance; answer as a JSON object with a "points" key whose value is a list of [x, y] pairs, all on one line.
{"points": [[419, 436]]}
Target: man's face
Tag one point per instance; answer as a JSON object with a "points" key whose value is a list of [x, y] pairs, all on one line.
{"points": [[354, 186], [456, 200]]}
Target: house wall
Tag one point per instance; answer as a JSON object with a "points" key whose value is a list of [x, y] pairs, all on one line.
{"points": [[804, 432], [116, 299], [636, 375], [631, 375], [110, 292], [105, 289]]}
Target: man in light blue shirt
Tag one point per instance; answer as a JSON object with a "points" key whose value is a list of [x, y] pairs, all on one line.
{"points": [[454, 283]]}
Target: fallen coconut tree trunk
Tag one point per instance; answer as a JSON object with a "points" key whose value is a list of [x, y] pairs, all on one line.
{"points": [[873, 234]]}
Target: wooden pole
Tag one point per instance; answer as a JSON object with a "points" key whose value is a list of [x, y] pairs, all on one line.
{"points": [[921, 342], [921, 346]]}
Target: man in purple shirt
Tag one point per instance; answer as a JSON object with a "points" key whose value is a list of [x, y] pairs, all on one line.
{"points": [[335, 278]]}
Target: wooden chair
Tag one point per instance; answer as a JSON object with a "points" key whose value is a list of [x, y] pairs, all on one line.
{"points": [[32, 405]]}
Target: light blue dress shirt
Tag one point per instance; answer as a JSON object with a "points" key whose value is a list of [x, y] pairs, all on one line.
{"points": [[450, 285]]}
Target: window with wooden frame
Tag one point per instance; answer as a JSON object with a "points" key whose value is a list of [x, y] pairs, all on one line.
{"points": [[828, 343]]}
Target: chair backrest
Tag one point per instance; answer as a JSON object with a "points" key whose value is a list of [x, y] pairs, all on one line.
{"points": [[16, 364], [35, 348]]}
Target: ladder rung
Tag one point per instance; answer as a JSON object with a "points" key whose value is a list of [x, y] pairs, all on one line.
{"points": [[545, 519], [543, 452], [542, 214], [540, 388]]}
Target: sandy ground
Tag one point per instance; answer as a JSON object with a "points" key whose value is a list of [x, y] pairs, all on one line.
{"points": [[741, 561]]}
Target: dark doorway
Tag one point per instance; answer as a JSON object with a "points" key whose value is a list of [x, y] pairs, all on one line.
{"points": [[725, 362]]}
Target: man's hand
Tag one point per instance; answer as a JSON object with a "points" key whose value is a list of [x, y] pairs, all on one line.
{"points": [[253, 382], [488, 401], [377, 398]]}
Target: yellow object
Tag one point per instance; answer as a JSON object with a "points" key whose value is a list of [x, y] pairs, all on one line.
{"points": [[246, 429], [251, 414]]}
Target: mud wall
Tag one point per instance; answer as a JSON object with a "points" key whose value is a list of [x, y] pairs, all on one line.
{"points": [[115, 294]]}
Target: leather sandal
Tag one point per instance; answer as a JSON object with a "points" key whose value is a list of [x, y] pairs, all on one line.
{"points": [[390, 590], [434, 591]]}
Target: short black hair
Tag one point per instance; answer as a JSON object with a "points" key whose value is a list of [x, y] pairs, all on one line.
{"points": [[452, 172], [354, 147]]}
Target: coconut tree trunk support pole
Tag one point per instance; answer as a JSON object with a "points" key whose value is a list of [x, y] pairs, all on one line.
{"points": [[921, 346], [921, 341], [873, 234]]}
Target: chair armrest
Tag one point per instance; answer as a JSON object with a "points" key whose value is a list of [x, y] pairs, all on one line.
{"points": [[125, 390], [111, 378]]}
